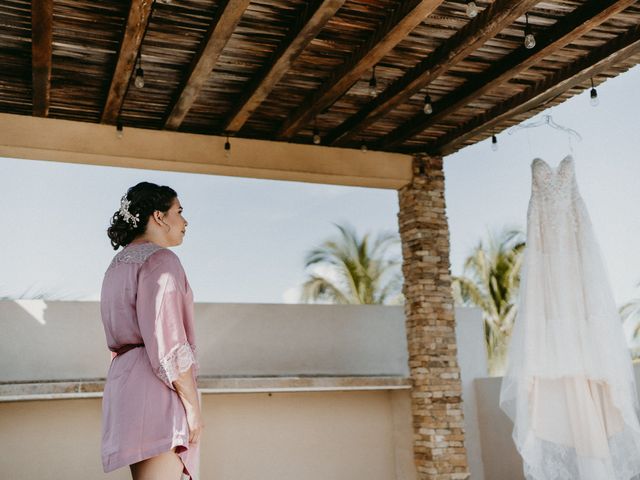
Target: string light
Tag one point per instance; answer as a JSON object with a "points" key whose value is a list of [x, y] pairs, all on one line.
{"points": [[227, 148], [428, 107], [594, 95], [139, 80], [529, 39], [472, 10], [119, 129], [316, 133], [373, 83], [494, 143]]}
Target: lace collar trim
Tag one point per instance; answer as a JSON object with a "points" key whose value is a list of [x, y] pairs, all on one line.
{"points": [[137, 253]]}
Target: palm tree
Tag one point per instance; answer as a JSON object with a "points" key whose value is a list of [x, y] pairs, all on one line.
{"points": [[490, 281], [356, 270], [630, 312]]}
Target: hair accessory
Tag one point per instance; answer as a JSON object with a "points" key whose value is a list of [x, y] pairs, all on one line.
{"points": [[125, 214]]}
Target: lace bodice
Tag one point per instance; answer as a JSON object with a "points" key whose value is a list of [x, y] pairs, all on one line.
{"points": [[554, 186], [136, 253]]}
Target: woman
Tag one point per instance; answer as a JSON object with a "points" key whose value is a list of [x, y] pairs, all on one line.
{"points": [[151, 417]]}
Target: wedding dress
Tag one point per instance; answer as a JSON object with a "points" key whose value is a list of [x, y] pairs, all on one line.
{"points": [[569, 387]]}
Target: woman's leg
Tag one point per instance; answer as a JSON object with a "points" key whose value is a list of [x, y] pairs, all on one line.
{"points": [[166, 466]]}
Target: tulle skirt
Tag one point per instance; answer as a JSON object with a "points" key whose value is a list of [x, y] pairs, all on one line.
{"points": [[569, 387]]}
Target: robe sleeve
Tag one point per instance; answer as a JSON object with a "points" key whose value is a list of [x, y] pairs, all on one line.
{"points": [[162, 307]]}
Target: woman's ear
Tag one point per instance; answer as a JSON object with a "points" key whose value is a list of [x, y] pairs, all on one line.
{"points": [[157, 216]]}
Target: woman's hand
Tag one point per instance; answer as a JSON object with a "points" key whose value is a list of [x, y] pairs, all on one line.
{"points": [[187, 390], [194, 420]]}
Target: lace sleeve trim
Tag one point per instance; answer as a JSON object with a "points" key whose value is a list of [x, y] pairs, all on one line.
{"points": [[178, 360]]}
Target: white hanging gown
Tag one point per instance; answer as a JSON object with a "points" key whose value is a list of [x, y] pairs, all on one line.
{"points": [[569, 387]]}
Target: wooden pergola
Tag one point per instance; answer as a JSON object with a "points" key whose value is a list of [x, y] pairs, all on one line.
{"points": [[328, 91]]}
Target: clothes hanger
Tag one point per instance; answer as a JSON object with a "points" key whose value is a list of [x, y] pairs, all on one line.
{"points": [[549, 121]]}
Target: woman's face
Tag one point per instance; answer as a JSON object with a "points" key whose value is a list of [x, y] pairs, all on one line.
{"points": [[177, 223]]}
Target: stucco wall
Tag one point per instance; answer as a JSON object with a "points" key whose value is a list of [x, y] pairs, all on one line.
{"points": [[282, 436], [332, 434]]}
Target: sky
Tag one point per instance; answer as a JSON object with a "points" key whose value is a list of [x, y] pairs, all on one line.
{"points": [[247, 238]]}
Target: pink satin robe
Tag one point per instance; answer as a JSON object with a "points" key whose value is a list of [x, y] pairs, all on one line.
{"points": [[146, 298]]}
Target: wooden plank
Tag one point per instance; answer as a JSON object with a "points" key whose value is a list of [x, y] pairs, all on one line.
{"points": [[473, 35], [397, 26], [28, 137], [41, 36], [305, 33], [579, 72], [137, 21], [200, 69], [565, 31]]}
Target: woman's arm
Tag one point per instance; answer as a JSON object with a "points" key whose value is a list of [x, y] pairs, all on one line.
{"points": [[188, 393]]}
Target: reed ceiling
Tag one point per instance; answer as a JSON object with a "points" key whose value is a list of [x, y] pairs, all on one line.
{"points": [[277, 70]]}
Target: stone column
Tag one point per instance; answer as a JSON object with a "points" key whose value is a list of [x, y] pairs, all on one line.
{"points": [[436, 396]]}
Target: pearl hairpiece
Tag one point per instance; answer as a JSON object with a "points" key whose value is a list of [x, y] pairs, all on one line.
{"points": [[125, 214]]}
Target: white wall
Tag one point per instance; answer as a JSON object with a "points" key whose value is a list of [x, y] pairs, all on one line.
{"points": [[472, 355], [65, 340]]}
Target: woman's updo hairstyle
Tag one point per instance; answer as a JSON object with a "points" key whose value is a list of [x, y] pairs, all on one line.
{"points": [[145, 198]]}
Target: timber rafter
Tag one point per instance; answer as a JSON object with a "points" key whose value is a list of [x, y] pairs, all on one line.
{"points": [[41, 27], [580, 72], [200, 69], [137, 20], [309, 25], [487, 25], [570, 28], [396, 26]]}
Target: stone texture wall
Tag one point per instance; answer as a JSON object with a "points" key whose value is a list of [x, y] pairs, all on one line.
{"points": [[436, 398]]}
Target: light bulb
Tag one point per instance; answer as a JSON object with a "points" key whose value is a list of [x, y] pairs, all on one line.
{"points": [[373, 86], [529, 41], [316, 136], [428, 107], [472, 10], [363, 148], [227, 148], [139, 80], [594, 98], [494, 143], [119, 130]]}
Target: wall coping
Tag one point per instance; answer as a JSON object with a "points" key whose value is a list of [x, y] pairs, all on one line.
{"points": [[93, 388]]}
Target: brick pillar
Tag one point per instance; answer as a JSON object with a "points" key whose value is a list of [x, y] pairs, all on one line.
{"points": [[436, 396]]}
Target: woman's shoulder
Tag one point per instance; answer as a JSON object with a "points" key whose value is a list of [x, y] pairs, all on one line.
{"points": [[161, 257]]}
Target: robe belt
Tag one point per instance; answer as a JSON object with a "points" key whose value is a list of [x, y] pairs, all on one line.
{"points": [[126, 348]]}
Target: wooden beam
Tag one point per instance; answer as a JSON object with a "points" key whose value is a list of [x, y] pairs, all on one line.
{"points": [[137, 21], [309, 27], [200, 69], [396, 27], [41, 35], [495, 18], [579, 72], [566, 30], [23, 136]]}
